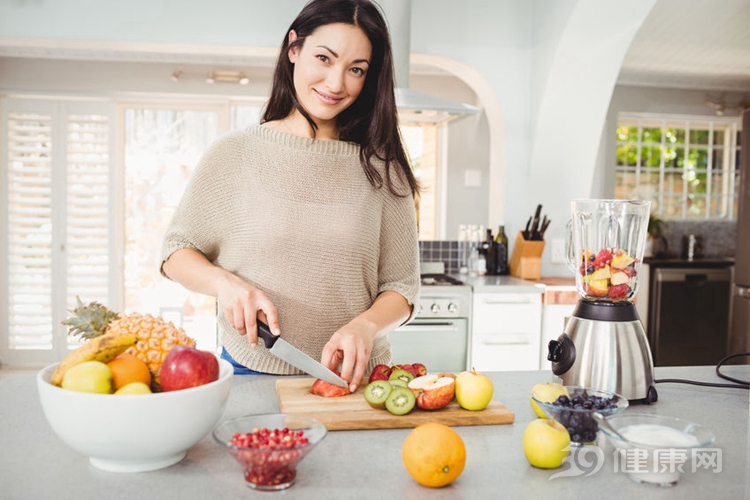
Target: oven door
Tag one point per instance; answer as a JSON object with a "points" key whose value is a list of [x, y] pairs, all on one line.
{"points": [[439, 344]]}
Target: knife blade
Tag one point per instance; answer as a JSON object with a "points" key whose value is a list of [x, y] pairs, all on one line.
{"points": [[286, 351], [526, 233]]}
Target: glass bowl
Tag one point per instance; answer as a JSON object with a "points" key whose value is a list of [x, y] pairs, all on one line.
{"points": [[578, 417], [656, 448], [270, 461]]}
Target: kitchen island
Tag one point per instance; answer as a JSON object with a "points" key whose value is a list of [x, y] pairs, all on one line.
{"points": [[35, 464]]}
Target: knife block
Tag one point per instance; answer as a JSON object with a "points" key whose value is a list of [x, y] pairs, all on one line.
{"points": [[526, 259]]}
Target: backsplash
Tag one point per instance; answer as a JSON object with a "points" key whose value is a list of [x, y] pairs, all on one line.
{"points": [[718, 236], [441, 251]]}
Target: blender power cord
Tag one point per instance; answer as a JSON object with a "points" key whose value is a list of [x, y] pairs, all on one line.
{"points": [[739, 384]]}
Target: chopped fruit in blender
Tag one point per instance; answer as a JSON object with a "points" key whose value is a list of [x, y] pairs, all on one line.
{"points": [[618, 291], [622, 261], [600, 274], [603, 258], [619, 278], [587, 255], [596, 288], [631, 270]]}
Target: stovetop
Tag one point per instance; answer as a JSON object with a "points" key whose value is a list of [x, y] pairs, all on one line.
{"points": [[440, 280]]}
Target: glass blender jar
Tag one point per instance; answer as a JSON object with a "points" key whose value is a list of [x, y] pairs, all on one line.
{"points": [[605, 245], [604, 344]]}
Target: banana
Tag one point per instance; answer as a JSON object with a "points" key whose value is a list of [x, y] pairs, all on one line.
{"points": [[104, 348]]}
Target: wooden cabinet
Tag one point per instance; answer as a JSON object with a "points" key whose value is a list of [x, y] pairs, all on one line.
{"points": [[506, 331]]}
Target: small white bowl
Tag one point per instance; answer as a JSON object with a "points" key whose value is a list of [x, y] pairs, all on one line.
{"points": [[656, 449], [134, 433]]}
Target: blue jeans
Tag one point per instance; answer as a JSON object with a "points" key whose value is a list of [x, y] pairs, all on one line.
{"points": [[238, 368]]}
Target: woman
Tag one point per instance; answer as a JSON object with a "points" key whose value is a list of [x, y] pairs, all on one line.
{"points": [[307, 221]]}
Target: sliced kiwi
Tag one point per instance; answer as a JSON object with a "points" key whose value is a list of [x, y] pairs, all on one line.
{"points": [[377, 392], [400, 401], [400, 374], [397, 382]]}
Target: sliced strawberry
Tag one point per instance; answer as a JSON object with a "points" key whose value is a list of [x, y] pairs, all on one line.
{"points": [[618, 291]]}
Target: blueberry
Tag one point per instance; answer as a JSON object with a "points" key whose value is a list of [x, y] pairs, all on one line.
{"points": [[577, 399], [576, 438]]}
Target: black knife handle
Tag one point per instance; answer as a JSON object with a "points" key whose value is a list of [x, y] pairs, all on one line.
{"points": [[265, 333]]}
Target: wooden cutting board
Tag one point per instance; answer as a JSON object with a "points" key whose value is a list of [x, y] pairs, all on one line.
{"points": [[352, 412]]}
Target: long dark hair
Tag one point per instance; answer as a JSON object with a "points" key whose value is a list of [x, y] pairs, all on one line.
{"points": [[371, 121]]}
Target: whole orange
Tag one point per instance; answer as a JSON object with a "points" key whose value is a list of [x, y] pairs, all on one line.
{"points": [[126, 369], [434, 454]]}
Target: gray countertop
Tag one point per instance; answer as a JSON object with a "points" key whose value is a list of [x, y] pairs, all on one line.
{"points": [[35, 464], [501, 284]]}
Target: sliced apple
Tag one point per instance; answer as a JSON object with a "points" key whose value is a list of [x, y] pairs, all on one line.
{"points": [[622, 261], [432, 391], [596, 288], [619, 278], [600, 274]]}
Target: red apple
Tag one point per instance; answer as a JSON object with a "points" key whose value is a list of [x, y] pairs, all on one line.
{"points": [[433, 392], [409, 368], [186, 367], [380, 372], [420, 368], [378, 376]]}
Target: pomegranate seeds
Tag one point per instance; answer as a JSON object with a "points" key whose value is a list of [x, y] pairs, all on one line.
{"points": [[270, 456]]}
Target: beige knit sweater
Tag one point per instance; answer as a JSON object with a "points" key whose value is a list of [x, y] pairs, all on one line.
{"points": [[298, 219]]}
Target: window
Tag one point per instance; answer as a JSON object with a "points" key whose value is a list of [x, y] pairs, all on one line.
{"points": [[421, 141], [687, 167], [56, 238]]}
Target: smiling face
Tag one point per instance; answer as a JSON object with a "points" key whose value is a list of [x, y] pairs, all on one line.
{"points": [[330, 70]]}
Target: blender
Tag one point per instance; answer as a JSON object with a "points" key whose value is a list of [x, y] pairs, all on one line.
{"points": [[604, 345]]}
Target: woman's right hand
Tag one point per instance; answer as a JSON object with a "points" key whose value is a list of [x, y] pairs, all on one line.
{"points": [[243, 304]]}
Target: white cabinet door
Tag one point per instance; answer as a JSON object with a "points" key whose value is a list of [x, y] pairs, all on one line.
{"points": [[506, 331]]}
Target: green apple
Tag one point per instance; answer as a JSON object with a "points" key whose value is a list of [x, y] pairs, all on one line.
{"points": [[89, 376], [473, 390], [548, 393], [546, 443], [133, 388]]}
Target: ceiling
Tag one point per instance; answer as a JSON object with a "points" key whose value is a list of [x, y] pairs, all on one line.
{"points": [[695, 44], [690, 44]]}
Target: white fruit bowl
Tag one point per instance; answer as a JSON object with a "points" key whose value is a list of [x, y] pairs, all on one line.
{"points": [[134, 433]]}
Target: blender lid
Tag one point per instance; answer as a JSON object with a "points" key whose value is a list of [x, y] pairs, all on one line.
{"points": [[606, 311]]}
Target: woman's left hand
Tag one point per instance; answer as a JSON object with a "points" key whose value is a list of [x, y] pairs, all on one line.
{"points": [[351, 347]]}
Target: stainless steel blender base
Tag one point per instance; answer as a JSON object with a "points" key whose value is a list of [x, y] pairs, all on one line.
{"points": [[606, 355]]}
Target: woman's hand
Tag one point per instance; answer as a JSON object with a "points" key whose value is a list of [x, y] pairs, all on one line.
{"points": [[351, 347], [242, 304]]}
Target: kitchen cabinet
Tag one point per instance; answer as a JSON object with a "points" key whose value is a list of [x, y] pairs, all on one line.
{"points": [[506, 331]]}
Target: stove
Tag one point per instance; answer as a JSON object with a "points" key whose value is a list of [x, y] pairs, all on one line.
{"points": [[443, 296], [438, 336]]}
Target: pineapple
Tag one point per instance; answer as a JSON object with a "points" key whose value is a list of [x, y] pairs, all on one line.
{"points": [[155, 336]]}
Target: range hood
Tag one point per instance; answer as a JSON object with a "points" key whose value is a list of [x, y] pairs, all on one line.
{"points": [[398, 16]]}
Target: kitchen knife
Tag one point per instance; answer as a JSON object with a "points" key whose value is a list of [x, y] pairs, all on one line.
{"points": [[526, 233], [535, 223], [286, 351], [545, 225]]}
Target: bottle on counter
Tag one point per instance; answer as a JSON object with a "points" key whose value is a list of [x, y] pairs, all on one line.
{"points": [[490, 253], [501, 251]]}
